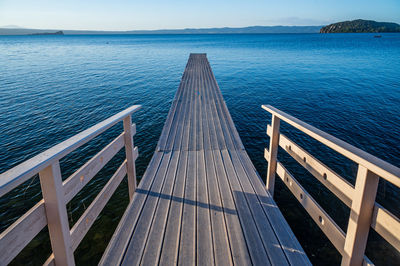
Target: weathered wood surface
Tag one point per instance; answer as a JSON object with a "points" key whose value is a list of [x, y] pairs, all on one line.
{"points": [[201, 200]]}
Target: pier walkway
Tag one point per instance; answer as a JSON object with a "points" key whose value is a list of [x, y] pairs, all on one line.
{"points": [[201, 200]]}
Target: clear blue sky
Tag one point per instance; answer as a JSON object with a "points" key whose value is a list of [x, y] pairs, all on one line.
{"points": [[157, 14]]}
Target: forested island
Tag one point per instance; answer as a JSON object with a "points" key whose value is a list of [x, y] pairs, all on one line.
{"points": [[360, 26]]}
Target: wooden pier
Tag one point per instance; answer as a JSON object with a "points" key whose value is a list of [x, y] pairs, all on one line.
{"points": [[200, 201]]}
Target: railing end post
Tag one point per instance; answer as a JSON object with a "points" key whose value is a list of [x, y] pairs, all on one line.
{"points": [[272, 156], [130, 158], [56, 214], [360, 216]]}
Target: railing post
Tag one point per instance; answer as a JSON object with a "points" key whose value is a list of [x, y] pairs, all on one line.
{"points": [[360, 216], [56, 213], [273, 152], [130, 160]]}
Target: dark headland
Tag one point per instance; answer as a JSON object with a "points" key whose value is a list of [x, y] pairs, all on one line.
{"points": [[60, 32], [360, 26]]}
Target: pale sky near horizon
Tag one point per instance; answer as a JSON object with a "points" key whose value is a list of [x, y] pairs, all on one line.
{"points": [[178, 14]]}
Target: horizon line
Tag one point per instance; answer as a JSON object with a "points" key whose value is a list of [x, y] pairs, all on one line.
{"points": [[16, 27]]}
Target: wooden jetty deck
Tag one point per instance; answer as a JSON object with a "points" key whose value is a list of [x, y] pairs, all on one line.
{"points": [[201, 200]]}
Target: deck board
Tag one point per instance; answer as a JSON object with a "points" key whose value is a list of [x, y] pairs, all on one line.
{"points": [[201, 201]]}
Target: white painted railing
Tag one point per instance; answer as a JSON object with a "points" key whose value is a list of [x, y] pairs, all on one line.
{"points": [[365, 212], [51, 210]]}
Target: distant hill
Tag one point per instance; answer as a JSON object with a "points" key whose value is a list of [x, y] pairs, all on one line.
{"points": [[360, 26], [245, 30]]}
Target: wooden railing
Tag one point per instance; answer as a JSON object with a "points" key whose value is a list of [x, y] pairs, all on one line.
{"points": [[365, 212], [51, 210]]}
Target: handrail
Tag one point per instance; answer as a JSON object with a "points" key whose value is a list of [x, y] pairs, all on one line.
{"points": [[384, 169], [51, 210], [365, 212], [334, 182], [22, 172]]}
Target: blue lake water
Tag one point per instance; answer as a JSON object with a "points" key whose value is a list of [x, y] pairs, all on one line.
{"points": [[52, 87]]}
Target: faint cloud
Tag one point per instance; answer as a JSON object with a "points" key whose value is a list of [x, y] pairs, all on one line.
{"points": [[11, 27], [294, 21]]}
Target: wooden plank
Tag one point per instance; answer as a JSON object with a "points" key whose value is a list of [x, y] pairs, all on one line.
{"points": [[225, 121], [82, 226], [213, 82], [221, 129], [21, 232], [193, 111], [116, 247], [293, 250], [204, 246], [136, 244], [188, 122], [221, 248], [169, 253], [234, 132], [187, 243], [219, 133], [199, 113], [180, 125], [177, 119], [256, 248], [232, 129], [183, 113], [162, 142], [73, 184], [56, 214], [390, 172], [217, 90], [152, 251], [271, 244], [22, 172], [210, 119], [204, 113], [224, 127], [238, 243]]}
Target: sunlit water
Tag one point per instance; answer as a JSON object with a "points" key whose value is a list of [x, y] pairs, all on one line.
{"points": [[52, 87]]}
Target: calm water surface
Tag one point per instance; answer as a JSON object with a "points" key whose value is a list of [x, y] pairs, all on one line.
{"points": [[52, 87]]}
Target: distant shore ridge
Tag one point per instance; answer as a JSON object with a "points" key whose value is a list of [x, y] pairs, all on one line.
{"points": [[354, 26]]}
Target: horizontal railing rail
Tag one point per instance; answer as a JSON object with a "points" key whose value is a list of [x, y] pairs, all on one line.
{"points": [[51, 210], [365, 212]]}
